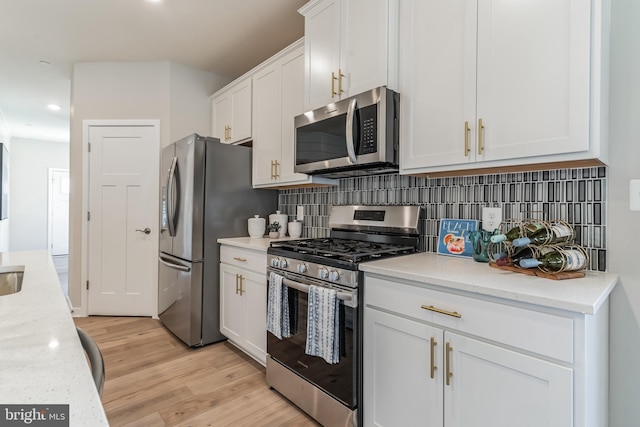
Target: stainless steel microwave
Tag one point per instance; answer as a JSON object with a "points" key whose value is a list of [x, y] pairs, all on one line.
{"points": [[354, 136]]}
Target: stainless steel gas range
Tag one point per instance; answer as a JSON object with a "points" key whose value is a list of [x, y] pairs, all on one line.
{"points": [[332, 392]]}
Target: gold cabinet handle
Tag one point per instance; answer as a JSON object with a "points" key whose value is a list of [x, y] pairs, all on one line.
{"points": [[277, 165], [480, 132], [242, 291], [237, 258], [229, 132], [433, 355], [441, 311], [448, 373], [272, 174], [340, 76], [466, 139], [237, 283], [333, 84]]}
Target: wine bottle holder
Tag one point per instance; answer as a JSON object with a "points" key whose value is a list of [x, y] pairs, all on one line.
{"points": [[500, 253]]}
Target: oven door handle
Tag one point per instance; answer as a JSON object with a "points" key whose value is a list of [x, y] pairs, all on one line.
{"points": [[343, 296]]}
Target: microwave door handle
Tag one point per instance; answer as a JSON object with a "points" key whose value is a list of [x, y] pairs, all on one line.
{"points": [[171, 186], [351, 111], [343, 296]]}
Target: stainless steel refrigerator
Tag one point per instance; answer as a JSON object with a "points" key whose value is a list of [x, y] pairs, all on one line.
{"points": [[206, 195]]}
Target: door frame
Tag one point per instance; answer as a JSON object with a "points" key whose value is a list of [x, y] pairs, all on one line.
{"points": [[84, 255]]}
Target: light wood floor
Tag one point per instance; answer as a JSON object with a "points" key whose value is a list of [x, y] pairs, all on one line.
{"points": [[153, 379]]}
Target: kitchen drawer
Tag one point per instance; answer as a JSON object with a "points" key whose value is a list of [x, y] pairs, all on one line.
{"points": [[542, 333], [244, 258]]}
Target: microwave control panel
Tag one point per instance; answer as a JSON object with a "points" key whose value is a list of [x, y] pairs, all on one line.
{"points": [[368, 129]]}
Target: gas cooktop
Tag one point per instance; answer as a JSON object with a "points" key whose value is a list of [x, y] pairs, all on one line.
{"points": [[348, 250]]}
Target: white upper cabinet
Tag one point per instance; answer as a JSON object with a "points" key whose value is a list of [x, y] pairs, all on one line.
{"points": [[231, 112], [493, 83], [277, 99], [350, 47]]}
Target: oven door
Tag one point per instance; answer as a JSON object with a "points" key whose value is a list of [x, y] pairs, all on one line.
{"points": [[338, 380]]}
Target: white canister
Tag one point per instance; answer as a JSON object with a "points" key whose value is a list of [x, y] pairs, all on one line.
{"points": [[295, 229], [281, 219], [257, 226]]}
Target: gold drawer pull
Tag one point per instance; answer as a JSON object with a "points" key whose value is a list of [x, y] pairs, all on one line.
{"points": [[237, 258], [441, 311]]}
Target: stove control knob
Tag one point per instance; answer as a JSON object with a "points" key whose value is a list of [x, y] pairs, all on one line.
{"points": [[275, 262], [302, 268], [284, 263], [324, 273], [334, 275]]}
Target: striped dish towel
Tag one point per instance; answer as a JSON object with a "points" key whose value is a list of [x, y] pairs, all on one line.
{"points": [[278, 307], [323, 324]]}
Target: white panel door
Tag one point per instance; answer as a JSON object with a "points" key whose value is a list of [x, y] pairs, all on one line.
{"points": [[533, 77], [123, 203], [59, 211], [231, 309], [437, 82], [493, 386], [267, 126], [398, 386], [253, 288]]}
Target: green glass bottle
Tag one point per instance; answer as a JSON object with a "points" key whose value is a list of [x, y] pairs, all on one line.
{"points": [[558, 260], [560, 232], [527, 227]]}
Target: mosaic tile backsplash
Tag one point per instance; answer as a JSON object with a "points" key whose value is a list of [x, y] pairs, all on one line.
{"points": [[577, 196]]}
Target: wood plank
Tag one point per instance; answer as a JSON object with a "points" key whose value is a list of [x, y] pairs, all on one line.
{"points": [[153, 379]]}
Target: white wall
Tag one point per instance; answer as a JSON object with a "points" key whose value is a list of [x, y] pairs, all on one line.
{"points": [[5, 138], [29, 179], [176, 95], [623, 225]]}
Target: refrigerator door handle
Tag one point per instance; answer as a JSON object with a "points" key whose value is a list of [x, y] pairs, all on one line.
{"points": [[173, 202], [168, 263]]}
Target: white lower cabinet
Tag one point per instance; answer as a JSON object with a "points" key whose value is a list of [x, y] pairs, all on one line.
{"points": [[243, 296], [431, 368]]}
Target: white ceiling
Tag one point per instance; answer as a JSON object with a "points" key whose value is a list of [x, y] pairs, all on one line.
{"points": [[227, 37]]}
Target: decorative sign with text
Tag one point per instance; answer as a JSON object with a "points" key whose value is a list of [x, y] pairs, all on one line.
{"points": [[453, 238]]}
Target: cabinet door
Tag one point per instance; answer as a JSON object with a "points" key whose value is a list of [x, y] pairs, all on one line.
{"points": [[398, 387], [231, 312], [493, 386], [221, 116], [533, 77], [240, 111], [267, 125], [292, 106], [254, 295], [322, 53], [437, 82], [364, 45]]}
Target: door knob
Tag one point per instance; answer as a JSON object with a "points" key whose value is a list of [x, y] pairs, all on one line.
{"points": [[145, 231]]}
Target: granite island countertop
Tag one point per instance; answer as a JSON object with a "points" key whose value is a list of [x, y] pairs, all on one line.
{"points": [[583, 295], [41, 358]]}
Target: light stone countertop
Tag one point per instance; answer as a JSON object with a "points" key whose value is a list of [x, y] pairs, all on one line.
{"points": [[582, 295], [41, 358], [260, 244]]}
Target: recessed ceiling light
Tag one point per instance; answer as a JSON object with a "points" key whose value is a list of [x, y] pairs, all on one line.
{"points": [[53, 107]]}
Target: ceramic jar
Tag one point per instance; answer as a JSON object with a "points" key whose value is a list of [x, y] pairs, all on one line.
{"points": [[295, 229], [257, 226], [281, 219]]}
